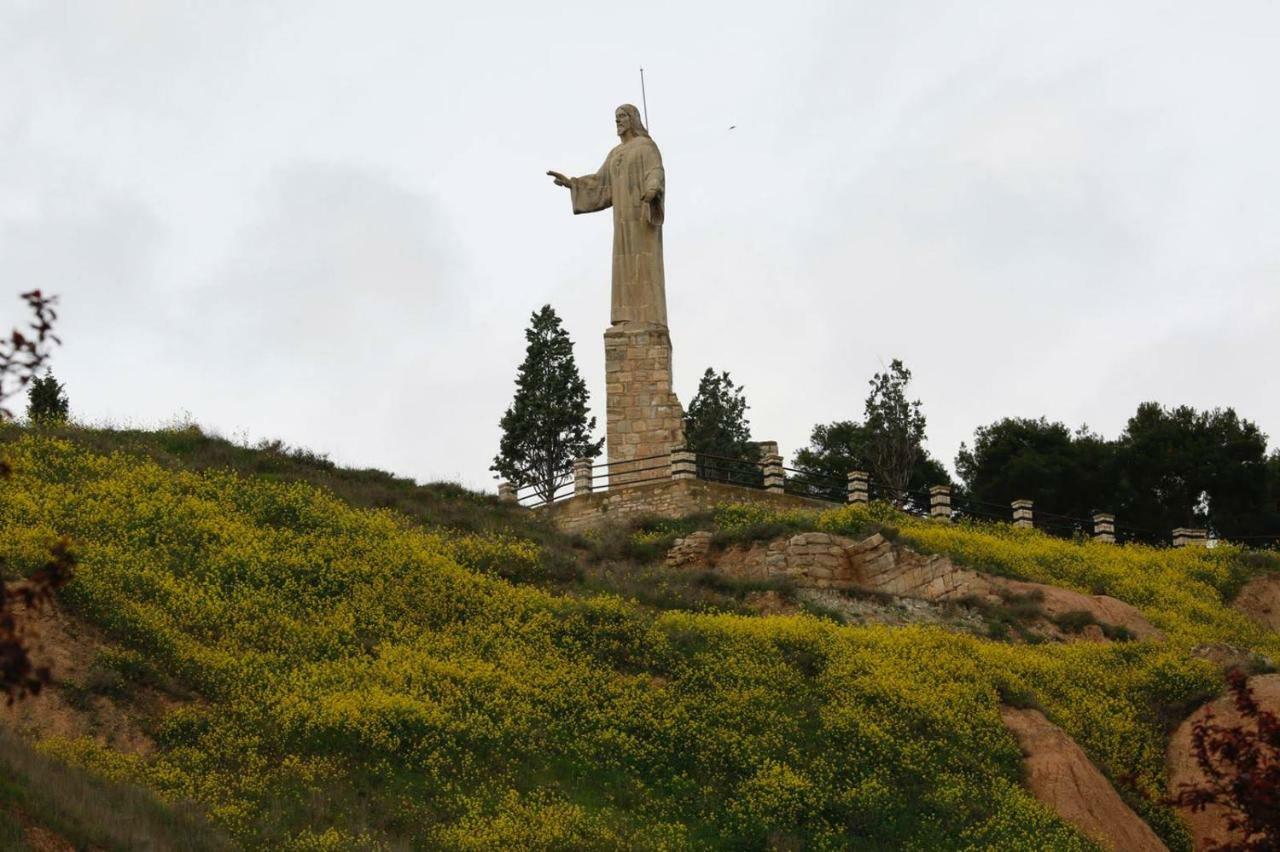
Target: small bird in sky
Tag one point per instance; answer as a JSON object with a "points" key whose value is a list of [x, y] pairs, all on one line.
{"points": [[731, 126]]}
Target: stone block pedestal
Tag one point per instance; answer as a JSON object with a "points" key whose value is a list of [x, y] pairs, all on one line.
{"points": [[643, 419]]}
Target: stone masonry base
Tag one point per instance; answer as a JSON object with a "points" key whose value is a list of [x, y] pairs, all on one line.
{"points": [[643, 418]]}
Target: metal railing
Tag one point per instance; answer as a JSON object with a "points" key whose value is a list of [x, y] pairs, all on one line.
{"points": [[748, 473], [602, 477], [803, 483], [964, 507], [541, 494], [729, 470], [626, 472]]}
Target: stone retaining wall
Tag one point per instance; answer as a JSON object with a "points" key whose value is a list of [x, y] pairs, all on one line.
{"points": [[875, 564], [668, 498], [823, 561]]}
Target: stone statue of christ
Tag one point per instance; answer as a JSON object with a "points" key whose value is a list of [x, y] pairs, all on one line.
{"points": [[631, 181]]}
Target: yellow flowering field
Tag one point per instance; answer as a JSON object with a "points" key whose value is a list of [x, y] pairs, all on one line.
{"points": [[367, 683]]}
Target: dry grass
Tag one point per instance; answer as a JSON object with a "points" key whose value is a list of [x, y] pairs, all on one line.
{"points": [[89, 811]]}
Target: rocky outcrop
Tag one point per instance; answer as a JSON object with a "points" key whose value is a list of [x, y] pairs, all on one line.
{"points": [[692, 551], [1208, 826], [892, 611], [1057, 602], [1228, 657], [1260, 601], [822, 560], [876, 564], [886, 567], [1060, 775]]}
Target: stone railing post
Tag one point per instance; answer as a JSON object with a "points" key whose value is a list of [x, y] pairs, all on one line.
{"points": [[684, 464], [774, 478], [858, 487], [506, 492], [1190, 537], [1022, 513], [581, 476], [1104, 527], [940, 503]]}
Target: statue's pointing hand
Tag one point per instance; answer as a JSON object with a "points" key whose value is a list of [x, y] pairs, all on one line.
{"points": [[560, 179]]}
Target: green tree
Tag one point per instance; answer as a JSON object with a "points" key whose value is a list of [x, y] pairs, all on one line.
{"points": [[895, 431], [1188, 468], [1171, 467], [46, 400], [837, 448], [547, 425], [1272, 505], [1065, 473], [715, 424], [834, 450]]}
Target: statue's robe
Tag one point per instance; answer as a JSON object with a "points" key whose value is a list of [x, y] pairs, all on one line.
{"points": [[631, 169]]}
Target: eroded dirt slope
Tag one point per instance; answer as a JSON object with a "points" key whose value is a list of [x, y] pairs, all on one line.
{"points": [[1061, 776]]}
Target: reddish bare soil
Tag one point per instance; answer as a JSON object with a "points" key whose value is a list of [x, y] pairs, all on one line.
{"points": [[1260, 601], [1061, 776], [69, 706]]}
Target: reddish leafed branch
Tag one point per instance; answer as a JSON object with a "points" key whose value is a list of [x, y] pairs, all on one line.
{"points": [[19, 676], [1241, 766], [21, 355]]}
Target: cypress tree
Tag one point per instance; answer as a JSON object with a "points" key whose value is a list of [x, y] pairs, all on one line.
{"points": [[896, 428], [716, 424], [547, 425], [46, 402]]}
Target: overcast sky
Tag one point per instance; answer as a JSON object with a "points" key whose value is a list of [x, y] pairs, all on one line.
{"points": [[328, 222]]}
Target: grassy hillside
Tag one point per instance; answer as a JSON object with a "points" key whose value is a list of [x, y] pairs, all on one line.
{"points": [[366, 673]]}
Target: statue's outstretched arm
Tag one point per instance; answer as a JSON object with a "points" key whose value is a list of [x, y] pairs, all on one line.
{"points": [[590, 192]]}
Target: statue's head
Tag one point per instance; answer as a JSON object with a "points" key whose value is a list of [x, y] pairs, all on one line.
{"points": [[627, 119]]}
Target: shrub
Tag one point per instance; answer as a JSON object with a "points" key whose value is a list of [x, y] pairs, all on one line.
{"points": [[1075, 621], [118, 672]]}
